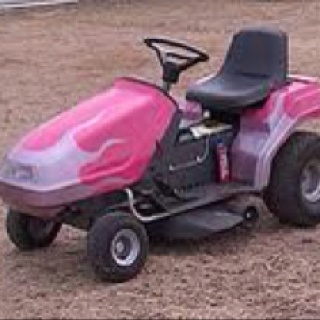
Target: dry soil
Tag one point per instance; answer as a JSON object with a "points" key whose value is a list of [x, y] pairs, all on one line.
{"points": [[52, 58]]}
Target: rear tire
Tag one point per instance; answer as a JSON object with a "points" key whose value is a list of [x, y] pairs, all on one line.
{"points": [[287, 195], [117, 246], [29, 233]]}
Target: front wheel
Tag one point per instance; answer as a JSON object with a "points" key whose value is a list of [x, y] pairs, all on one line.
{"points": [[29, 233], [117, 247], [293, 193]]}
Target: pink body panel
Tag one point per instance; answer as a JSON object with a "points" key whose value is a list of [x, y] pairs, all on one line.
{"points": [[101, 145], [263, 131]]}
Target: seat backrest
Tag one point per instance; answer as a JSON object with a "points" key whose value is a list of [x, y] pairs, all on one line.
{"points": [[259, 52]]}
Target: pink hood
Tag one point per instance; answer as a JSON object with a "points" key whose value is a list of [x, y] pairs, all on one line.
{"points": [[104, 143]]}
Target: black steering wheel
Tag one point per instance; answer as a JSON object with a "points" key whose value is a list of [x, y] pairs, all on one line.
{"points": [[175, 56]]}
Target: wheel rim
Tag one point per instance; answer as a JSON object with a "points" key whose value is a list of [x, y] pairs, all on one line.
{"points": [[40, 229], [310, 181], [125, 247]]}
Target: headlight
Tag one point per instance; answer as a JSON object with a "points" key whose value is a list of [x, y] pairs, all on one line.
{"points": [[17, 171]]}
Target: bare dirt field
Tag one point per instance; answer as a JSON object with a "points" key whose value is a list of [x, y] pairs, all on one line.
{"points": [[52, 58]]}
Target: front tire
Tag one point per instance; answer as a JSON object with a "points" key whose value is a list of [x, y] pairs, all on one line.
{"points": [[117, 246], [293, 193], [28, 232]]}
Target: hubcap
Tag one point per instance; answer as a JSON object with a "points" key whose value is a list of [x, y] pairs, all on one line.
{"points": [[125, 247], [310, 181]]}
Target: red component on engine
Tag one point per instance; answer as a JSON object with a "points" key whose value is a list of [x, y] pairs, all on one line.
{"points": [[223, 166]]}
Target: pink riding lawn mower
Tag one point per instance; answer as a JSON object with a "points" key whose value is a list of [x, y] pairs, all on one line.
{"points": [[133, 163]]}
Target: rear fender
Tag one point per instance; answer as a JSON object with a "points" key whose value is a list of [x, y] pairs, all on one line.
{"points": [[263, 131]]}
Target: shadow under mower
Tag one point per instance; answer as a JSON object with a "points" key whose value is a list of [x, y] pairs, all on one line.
{"points": [[134, 162]]}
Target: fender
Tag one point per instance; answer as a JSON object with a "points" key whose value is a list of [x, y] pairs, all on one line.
{"points": [[263, 131]]}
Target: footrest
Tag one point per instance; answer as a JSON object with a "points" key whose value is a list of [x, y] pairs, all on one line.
{"points": [[197, 223]]}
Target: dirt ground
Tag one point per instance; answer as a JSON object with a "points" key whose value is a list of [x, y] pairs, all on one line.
{"points": [[52, 58]]}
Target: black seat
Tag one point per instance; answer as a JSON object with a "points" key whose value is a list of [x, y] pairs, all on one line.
{"points": [[255, 64]]}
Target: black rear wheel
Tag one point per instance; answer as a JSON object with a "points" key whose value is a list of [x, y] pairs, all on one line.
{"points": [[29, 233], [293, 193]]}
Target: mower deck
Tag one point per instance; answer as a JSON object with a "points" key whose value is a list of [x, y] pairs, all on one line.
{"points": [[197, 223], [211, 193], [187, 201]]}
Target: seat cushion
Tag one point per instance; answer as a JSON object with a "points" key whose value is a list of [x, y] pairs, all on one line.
{"points": [[229, 92], [256, 62]]}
